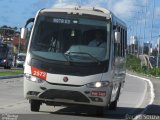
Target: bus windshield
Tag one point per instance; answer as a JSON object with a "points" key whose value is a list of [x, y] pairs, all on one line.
{"points": [[66, 38], [3, 52]]}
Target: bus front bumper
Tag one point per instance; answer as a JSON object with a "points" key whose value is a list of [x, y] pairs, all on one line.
{"points": [[82, 95]]}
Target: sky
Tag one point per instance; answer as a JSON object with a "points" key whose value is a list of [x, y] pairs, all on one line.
{"points": [[141, 16]]}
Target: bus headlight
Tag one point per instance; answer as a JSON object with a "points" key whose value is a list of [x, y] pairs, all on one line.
{"points": [[4, 60], [33, 78], [98, 84]]}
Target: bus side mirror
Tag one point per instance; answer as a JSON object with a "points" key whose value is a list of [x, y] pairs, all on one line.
{"points": [[24, 33], [117, 36]]}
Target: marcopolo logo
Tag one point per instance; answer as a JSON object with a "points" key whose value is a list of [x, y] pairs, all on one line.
{"points": [[65, 79]]}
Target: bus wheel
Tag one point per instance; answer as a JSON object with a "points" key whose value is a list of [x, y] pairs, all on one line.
{"points": [[113, 105], [100, 111], [35, 105]]}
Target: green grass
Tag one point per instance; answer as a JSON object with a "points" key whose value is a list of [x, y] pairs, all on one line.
{"points": [[134, 64], [11, 72]]}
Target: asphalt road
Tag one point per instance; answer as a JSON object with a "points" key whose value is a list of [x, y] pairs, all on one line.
{"points": [[132, 101]]}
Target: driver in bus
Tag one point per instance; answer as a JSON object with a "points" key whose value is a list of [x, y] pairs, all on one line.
{"points": [[98, 41]]}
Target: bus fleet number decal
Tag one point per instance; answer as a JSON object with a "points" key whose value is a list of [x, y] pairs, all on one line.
{"points": [[39, 73]]}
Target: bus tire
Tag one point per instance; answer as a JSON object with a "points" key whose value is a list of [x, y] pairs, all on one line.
{"points": [[35, 105], [100, 111], [113, 105]]}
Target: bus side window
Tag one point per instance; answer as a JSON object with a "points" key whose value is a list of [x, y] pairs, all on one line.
{"points": [[121, 47], [117, 47], [122, 41]]}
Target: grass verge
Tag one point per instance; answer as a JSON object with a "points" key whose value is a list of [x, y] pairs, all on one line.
{"points": [[134, 64], [11, 72]]}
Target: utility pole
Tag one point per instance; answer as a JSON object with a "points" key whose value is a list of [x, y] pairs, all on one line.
{"points": [[19, 42], [148, 43], [144, 28], [151, 32], [158, 51], [152, 20]]}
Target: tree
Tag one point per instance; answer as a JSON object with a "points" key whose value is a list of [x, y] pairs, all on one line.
{"points": [[4, 26], [15, 28], [154, 52]]}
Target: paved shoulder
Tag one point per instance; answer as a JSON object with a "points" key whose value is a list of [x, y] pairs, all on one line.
{"points": [[154, 108]]}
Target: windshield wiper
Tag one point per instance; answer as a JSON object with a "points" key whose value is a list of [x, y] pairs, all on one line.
{"points": [[83, 53], [67, 58]]}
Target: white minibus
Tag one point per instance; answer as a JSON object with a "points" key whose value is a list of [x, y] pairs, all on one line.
{"points": [[75, 56]]}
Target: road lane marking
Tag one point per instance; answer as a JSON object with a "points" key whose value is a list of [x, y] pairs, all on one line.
{"points": [[143, 97], [150, 84], [151, 92]]}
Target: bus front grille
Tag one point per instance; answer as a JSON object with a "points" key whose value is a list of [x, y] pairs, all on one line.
{"points": [[64, 94]]}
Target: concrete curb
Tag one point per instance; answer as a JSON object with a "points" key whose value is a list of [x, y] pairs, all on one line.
{"points": [[13, 76]]}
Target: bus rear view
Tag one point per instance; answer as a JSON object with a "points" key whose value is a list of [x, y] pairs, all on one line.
{"points": [[69, 60]]}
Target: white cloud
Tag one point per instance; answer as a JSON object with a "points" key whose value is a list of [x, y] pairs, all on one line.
{"points": [[124, 8], [121, 8], [127, 10], [157, 12], [65, 3], [98, 3]]}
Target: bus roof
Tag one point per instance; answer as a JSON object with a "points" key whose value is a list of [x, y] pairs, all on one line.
{"points": [[81, 10], [97, 11]]}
